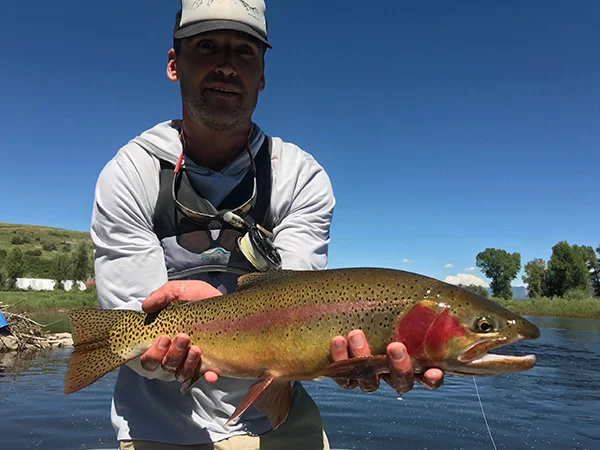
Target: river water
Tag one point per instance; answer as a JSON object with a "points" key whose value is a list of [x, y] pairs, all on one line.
{"points": [[556, 405]]}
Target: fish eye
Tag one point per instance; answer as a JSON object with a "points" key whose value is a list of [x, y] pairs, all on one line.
{"points": [[485, 325]]}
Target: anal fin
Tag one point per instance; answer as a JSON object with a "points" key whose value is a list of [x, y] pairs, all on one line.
{"points": [[271, 396]]}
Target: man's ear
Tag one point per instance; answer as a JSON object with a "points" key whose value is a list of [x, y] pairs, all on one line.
{"points": [[172, 73], [262, 82]]}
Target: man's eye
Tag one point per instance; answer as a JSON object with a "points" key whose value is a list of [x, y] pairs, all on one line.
{"points": [[205, 44], [246, 50]]}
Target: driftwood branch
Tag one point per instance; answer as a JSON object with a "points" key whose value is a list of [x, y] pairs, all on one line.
{"points": [[27, 334]]}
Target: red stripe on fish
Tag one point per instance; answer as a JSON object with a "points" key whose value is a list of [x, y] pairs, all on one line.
{"points": [[285, 316]]}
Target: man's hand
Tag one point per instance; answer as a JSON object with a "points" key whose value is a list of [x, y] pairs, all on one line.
{"points": [[177, 356], [401, 377]]}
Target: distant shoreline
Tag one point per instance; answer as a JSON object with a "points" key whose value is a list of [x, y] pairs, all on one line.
{"points": [[582, 308]]}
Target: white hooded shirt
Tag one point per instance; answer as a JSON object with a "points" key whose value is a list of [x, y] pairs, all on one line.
{"points": [[129, 264]]}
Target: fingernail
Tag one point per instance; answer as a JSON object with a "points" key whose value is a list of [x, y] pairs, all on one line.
{"points": [[356, 340], [163, 343], [192, 356], [180, 344], [338, 345], [397, 352]]}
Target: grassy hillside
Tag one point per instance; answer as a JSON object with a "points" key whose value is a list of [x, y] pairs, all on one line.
{"points": [[39, 245]]}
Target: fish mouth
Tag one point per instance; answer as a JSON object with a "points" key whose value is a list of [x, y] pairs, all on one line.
{"points": [[476, 360]]}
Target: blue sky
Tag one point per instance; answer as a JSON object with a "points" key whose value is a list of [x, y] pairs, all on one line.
{"points": [[446, 127]]}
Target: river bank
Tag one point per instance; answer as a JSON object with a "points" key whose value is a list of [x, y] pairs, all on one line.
{"points": [[577, 308]]}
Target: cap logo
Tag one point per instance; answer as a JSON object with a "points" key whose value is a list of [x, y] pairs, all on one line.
{"points": [[251, 10]]}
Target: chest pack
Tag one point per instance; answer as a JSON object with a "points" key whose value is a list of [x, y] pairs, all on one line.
{"points": [[210, 251]]}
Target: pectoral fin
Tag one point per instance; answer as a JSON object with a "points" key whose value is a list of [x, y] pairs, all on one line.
{"points": [[271, 396], [363, 368]]}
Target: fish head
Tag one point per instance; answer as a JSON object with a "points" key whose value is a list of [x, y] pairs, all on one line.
{"points": [[455, 329]]}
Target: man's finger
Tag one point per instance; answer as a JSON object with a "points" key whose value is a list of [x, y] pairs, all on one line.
{"points": [[190, 366], [358, 344], [401, 377], [346, 383], [152, 357], [432, 379], [338, 349], [211, 377], [359, 347], [159, 299], [369, 385], [176, 354]]}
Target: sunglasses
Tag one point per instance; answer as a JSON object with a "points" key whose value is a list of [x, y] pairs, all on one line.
{"points": [[204, 218]]}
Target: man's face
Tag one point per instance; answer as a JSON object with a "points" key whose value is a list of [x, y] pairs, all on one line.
{"points": [[221, 74]]}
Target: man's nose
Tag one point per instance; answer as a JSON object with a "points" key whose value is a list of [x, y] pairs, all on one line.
{"points": [[226, 69], [225, 66]]}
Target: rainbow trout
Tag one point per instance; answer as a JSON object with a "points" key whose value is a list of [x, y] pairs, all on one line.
{"points": [[278, 327]]}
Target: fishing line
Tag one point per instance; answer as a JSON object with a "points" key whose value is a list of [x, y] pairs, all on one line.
{"points": [[483, 412]]}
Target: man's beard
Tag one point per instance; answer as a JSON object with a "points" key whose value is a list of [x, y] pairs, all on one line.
{"points": [[218, 117]]}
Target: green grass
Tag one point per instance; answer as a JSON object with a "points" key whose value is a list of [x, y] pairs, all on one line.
{"points": [[32, 301], [39, 245], [587, 307]]}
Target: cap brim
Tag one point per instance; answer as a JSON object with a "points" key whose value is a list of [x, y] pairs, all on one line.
{"points": [[213, 25]]}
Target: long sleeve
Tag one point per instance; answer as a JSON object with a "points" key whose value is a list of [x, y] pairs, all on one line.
{"points": [[302, 204]]}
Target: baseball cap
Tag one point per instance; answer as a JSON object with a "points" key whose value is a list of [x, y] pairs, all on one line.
{"points": [[201, 16]]}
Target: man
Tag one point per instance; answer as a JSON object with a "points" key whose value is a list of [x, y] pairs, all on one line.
{"points": [[161, 234]]}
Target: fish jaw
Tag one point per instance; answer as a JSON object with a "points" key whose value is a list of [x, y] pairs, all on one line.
{"points": [[475, 360], [490, 364]]}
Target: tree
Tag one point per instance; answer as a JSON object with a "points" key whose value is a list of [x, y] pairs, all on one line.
{"points": [[81, 262], [567, 269], [476, 289], [535, 277], [501, 267], [593, 265], [61, 269], [595, 275], [15, 266]]}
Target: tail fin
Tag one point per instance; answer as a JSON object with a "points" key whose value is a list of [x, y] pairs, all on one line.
{"points": [[93, 356]]}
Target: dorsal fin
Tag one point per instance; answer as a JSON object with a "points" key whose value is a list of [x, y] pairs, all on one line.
{"points": [[256, 280]]}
